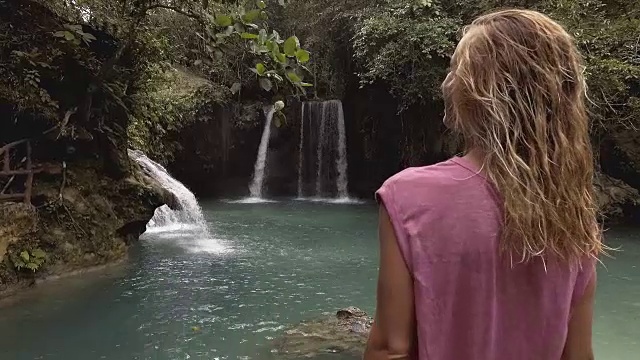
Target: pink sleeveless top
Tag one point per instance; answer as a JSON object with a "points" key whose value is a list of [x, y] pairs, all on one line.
{"points": [[470, 302]]}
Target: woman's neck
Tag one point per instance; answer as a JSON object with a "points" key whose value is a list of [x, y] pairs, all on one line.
{"points": [[475, 156]]}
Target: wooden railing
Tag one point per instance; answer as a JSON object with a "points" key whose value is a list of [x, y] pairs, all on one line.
{"points": [[7, 171]]}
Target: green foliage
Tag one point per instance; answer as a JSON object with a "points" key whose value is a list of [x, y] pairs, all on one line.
{"points": [[403, 47], [267, 49], [148, 67], [607, 34], [74, 34], [406, 46], [29, 259]]}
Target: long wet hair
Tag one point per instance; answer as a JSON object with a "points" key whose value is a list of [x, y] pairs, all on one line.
{"points": [[516, 94]]}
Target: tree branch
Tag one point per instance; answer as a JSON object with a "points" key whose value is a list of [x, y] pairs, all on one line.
{"points": [[177, 10]]}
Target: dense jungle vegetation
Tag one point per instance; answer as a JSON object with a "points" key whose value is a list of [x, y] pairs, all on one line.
{"points": [[185, 80]]}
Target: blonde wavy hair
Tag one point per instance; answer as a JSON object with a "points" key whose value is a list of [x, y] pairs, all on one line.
{"points": [[516, 95]]}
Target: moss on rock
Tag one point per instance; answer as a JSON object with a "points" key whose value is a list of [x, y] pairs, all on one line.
{"points": [[85, 223]]}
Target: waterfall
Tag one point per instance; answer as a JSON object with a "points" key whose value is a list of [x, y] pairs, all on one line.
{"points": [[322, 161], [341, 160], [322, 141], [257, 183], [300, 154], [188, 213]]}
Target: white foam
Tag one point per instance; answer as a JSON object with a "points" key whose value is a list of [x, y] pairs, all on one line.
{"points": [[341, 200], [250, 200]]}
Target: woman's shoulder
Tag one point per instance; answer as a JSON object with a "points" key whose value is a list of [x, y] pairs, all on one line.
{"points": [[439, 173]]}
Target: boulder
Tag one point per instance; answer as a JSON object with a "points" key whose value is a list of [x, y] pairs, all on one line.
{"points": [[614, 197], [344, 333]]}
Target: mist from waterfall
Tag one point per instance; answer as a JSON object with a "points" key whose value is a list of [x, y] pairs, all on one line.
{"points": [[322, 161]]}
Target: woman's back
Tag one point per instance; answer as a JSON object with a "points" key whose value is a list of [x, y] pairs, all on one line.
{"points": [[493, 264], [471, 302]]}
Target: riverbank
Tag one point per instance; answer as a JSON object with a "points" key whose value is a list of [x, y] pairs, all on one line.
{"points": [[78, 221]]}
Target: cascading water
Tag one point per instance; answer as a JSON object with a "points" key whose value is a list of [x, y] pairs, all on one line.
{"points": [[322, 143], [322, 164], [188, 214], [257, 183], [341, 160], [300, 155]]}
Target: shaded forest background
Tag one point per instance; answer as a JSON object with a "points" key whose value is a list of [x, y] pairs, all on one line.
{"points": [[185, 81]]}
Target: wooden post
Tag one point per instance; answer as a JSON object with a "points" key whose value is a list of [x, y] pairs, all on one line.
{"points": [[29, 184]]}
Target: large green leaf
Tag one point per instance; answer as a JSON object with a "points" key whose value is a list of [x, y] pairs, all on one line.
{"points": [[25, 256], [260, 68], [251, 16], [39, 254], [269, 45], [275, 49], [293, 77], [277, 55], [223, 20], [266, 84], [291, 45], [302, 55]]}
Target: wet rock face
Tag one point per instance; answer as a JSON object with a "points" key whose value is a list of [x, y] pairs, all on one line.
{"points": [[86, 223], [615, 198], [16, 221], [342, 336]]}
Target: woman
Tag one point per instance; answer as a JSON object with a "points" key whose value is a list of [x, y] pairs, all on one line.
{"points": [[491, 256]]}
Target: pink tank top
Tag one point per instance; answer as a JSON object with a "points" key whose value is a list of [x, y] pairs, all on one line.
{"points": [[470, 302]]}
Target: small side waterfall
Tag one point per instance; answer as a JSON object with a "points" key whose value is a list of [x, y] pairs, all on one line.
{"points": [[189, 214], [257, 183], [322, 164]]}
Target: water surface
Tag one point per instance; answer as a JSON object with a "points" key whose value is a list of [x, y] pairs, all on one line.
{"points": [[270, 266]]}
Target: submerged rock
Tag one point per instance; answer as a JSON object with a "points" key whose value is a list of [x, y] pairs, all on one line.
{"points": [[345, 334]]}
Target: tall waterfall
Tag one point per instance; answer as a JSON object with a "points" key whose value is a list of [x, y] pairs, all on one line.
{"points": [[300, 154], [322, 163], [188, 215], [257, 183]]}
